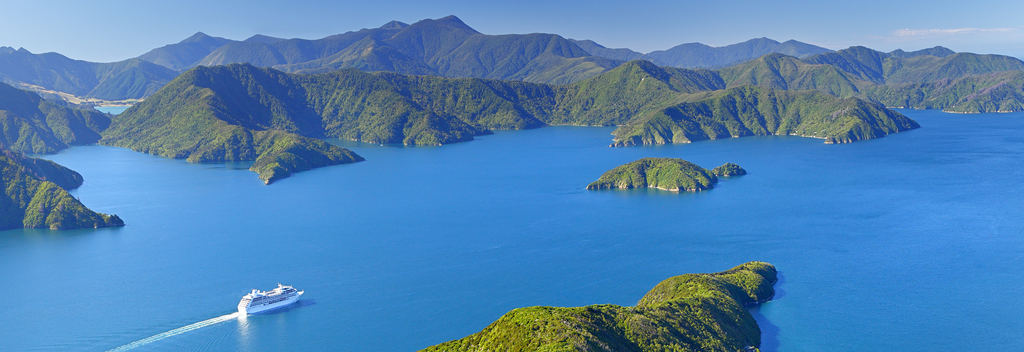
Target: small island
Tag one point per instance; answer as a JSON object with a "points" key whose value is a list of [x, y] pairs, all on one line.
{"points": [[728, 169], [692, 312], [669, 174]]}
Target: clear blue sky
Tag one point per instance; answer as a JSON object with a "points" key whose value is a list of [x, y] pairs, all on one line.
{"points": [[113, 30]]}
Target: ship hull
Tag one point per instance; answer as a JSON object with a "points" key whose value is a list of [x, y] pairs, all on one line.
{"points": [[264, 308]]}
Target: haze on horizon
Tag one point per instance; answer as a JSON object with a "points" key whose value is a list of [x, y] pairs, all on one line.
{"points": [[114, 30]]}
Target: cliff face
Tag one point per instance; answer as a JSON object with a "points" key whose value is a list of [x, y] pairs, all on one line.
{"points": [[30, 200], [692, 312]]}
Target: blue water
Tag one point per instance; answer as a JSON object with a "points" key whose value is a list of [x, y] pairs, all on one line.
{"points": [[112, 109], [910, 242]]}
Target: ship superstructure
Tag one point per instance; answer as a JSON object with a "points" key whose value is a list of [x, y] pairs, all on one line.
{"points": [[259, 301]]}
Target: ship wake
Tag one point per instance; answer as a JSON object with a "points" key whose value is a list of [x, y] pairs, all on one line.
{"points": [[177, 331]]}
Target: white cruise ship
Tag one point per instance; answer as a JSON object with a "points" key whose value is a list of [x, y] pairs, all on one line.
{"points": [[259, 301]]}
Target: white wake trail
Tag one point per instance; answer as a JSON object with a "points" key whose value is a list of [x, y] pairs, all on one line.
{"points": [[177, 331]]}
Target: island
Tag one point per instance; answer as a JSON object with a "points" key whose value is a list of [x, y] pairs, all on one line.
{"points": [[669, 174], [692, 312], [35, 196], [728, 169]]}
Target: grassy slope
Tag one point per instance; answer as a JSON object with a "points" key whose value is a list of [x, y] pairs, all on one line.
{"points": [[29, 200], [669, 174], [692, 312]]}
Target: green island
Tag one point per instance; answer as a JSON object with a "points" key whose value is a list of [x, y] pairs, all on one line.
{"points": [[669, 174], [692, 312], [728, 169], [35, 196]]}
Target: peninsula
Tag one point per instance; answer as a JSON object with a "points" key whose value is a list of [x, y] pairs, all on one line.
{"points": [[692, 312], [669, 174], [35, 196]]}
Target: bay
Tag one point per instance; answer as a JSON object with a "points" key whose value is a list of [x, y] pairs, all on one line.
{"points": [[908, 242]]}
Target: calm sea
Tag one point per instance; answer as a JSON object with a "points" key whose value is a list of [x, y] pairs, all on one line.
{"points": [[911, 242]]}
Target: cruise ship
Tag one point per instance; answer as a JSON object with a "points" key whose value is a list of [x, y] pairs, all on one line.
{"points": [[259, 301]]}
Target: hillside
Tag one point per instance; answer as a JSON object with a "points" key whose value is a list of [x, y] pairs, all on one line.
{"points": [[128, 79], [692, 312], [994, 92], [621, 54], [759, 111], [33, 196], [248, 118], [34, 125], [186, 53], [956, 82]]}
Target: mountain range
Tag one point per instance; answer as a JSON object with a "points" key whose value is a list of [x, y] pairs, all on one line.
{"points": [[448, 47], [128, 79]]}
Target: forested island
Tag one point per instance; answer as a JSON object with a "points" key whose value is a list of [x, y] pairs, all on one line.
{"points": [[692, 312], [669, 174]]}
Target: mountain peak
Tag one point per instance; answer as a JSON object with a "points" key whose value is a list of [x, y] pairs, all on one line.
{"points": [[6, 50], [761, 40], [453, 21], [199, 36], [394, 25], [938, 51], [259, 38]]}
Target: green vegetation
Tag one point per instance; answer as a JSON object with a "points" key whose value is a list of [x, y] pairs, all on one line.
{"points": [[237, 112], [206, 118], [933, 78], [759, 111], [33, 125], [668, 174], [692, 312], [33, 196], [995, 92], [728, 169]]}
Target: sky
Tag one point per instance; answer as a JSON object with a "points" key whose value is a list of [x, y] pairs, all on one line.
{"points": [[114, 30]]}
